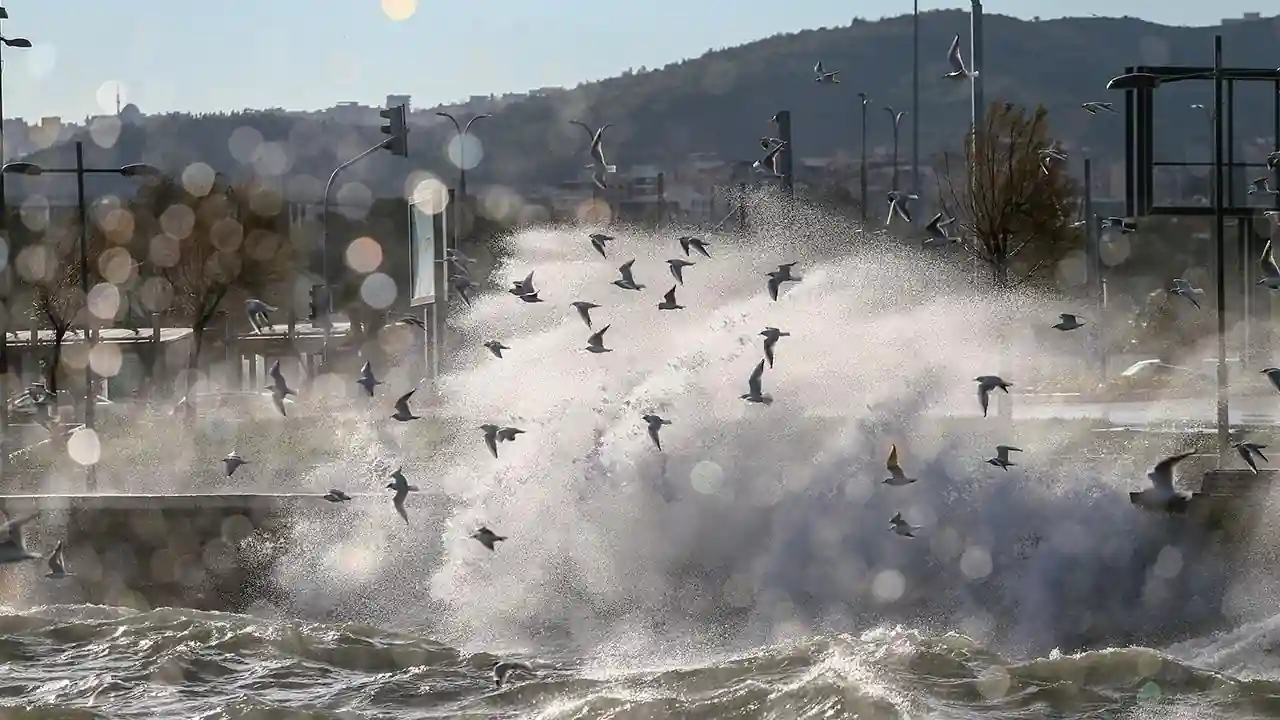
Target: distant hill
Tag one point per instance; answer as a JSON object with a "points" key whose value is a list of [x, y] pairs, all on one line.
{"points": [[722, 102]]}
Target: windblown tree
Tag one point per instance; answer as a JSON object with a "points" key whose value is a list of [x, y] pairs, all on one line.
{"points": [[1010, 212], [211, 244]]}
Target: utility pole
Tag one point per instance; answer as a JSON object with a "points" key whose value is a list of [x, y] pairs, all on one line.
{"points": [[1093, 262], [862, 167], [915, 97], [975, 52], [1219, 242]]}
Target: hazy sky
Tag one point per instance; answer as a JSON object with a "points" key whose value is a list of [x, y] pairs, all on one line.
{"points": [[231, 54]]}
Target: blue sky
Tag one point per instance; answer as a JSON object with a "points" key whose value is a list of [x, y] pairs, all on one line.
{"points": [[231, 54]]}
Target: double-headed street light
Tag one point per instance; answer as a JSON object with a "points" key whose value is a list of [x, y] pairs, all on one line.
{"points": [[897, 120], [80, 171], [463, 131]]}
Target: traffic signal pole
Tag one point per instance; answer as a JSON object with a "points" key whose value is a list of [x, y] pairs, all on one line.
{"points": [[397, 141]]}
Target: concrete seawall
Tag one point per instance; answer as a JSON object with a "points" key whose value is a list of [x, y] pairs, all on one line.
{"points": [[203, 551]]}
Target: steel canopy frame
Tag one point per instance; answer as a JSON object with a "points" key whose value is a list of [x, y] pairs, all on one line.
{"points": [[1139, 140]]}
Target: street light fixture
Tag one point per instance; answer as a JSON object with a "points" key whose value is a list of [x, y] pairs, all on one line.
{"points": [[462, 132], [131, 170]]}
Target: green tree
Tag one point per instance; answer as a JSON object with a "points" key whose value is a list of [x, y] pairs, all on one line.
{"points": [[1010, 212]]}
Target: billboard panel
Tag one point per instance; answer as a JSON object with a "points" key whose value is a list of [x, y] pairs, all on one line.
{"points": [[425, 232]]}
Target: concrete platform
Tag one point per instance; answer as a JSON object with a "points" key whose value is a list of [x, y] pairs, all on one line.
{"points": [[202, 551]]}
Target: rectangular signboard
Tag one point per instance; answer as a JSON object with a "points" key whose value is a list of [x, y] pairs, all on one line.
{"points": [[426, 236]]}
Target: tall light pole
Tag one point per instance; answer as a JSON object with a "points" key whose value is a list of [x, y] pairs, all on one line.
{"points": [[1208, 116], [915, 96], [8, 271], [862, 167], [977, 72], [897, 120], [463, 132], [82, 208]]}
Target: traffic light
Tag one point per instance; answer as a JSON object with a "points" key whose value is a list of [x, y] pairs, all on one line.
{"points": [[397, 128]]}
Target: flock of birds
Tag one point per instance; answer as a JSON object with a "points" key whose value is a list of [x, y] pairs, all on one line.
{"points": [[1161, 494]]}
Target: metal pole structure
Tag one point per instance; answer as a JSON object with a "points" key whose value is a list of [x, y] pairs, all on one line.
{"points": [[862, 167], [1219, 242], [976, 59], [915, 97], [1094, 262], [463, 132], [324, 240], [786, 156], [893, 116], [90, 397]]}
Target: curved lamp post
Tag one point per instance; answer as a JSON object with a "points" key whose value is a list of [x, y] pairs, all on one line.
{"points": [[897, 120], [130, 170]]}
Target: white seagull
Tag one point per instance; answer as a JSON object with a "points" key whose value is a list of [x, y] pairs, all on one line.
{"points": [[1001, 460], [897, 477], [1161, 494], [1187, 290], [898, 205], [823, 76], [958, 70], [1270, 272]]}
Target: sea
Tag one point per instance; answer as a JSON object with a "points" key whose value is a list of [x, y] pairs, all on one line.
{"points": [[745, 570]]}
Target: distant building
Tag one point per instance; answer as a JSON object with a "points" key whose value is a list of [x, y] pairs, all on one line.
{"points": [[394, 100], [130, 115], [1247, 17]]}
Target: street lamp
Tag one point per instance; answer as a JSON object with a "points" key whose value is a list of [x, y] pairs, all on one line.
{"points": [[862, 168], [462, 132], [80, 171], [897, 120]]}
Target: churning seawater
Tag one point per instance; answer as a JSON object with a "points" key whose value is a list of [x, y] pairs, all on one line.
{"points": [[747, 570]]}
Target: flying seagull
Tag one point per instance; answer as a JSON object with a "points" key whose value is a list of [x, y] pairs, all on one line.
{"points": [[1273, 158], [825, 77], [1187, 290], [655, 423], [402, 488], [1067, 322], [504, 669], [753, 393], [496, 348], [523, 287], [598, 241], [1093, 107], [896, 476], [487, 537], [771, 336], [1123, 224], [232, 462], [767, 164], [595, 343], [1262, 185], [899, 205], [336, 496], [403, 413], [508, 434], [1273, 374], [697, 244], [627, 281], [1270, 272], [367, 380], [278, 387], [937, 230], [669, 301], [257, 312], [598, 177], [57, 564], [414, 321], [584, 309], [902, 527], [677, 266], [1161, 495], [1250, 452], [597, 145], [12, 548], [1049, 156], [1001, 460], [463, 285], [987, 383], [958, 70], [491, 437]]}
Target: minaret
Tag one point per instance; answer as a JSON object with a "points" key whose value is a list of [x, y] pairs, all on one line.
{"points": [[117, 99]]}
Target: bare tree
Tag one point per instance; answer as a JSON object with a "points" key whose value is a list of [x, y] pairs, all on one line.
{"points": [[51, 270], [1013, 212], [229, 242]]}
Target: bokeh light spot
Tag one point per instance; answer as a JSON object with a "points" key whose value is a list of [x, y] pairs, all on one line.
{"points": [[198, 179], [104, 301], [116, 265], [178, 221], [399, 9], [429, 193], [83, 447], [464, 151], [706, 477], [888, 585], [244, 143], [106, 359], [108, 94], [364, 255], [975, 563], [378, 291]]}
